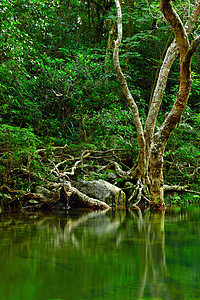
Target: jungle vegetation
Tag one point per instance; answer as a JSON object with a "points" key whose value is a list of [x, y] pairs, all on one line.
{"points": [[62, 108]]}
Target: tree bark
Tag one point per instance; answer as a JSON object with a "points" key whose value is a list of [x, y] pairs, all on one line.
{"points": [[156, 182]]}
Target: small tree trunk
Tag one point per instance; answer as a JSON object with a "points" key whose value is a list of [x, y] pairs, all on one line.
{"points": [[156, 182], [109, 47]]}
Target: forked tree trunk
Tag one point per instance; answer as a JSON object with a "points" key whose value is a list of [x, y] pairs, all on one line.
{"points": [[171, 55], [152, 145], [174, 117]]}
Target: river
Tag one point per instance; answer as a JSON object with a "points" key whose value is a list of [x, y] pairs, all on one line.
{"points": [[111, 255]]}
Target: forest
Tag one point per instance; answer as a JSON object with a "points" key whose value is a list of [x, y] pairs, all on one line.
{"points": [[71, 110]]}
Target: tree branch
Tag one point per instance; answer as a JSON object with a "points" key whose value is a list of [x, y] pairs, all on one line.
{"points": [[174, 117], [177, 26], [193, 48]]}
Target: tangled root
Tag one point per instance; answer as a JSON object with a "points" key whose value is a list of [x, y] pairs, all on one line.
{"points": [[140, 192]]}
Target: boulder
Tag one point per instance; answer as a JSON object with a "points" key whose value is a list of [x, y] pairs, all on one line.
{"points": [[103, 191]]}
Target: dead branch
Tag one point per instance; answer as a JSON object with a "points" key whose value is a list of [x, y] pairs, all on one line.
{"points": [[52, 148], [84, 155], [64, 161], [195, 171]]}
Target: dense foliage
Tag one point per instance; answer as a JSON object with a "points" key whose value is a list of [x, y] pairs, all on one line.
{"points": [[58, 85]]}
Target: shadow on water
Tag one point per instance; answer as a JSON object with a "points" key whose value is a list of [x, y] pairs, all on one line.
{"points": [[114, 254]]}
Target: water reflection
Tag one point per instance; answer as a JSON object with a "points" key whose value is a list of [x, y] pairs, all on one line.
{"points": [[101, 255]]}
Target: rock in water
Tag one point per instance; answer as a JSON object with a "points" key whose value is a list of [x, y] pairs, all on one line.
{"points": [[103, 191]]}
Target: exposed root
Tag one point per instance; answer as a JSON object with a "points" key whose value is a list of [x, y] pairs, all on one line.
{"points": [[140, 192], [62, 170], [120, 172], [66, 167], [10, 190], [59, 174]]}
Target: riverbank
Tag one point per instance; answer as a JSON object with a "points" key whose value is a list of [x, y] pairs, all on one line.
{"points": [[38, 177]]}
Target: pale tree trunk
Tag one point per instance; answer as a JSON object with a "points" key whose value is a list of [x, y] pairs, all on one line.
{"points": [[152, 146], [140, 173], [127, 93]]}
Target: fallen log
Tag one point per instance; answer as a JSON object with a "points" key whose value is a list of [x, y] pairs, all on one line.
{"points": [[78, 199]]}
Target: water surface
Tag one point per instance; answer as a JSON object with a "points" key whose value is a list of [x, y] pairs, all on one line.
{"points": [[100, 255]]}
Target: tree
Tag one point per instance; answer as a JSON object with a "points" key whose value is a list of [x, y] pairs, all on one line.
{"points": [[149, 171]]}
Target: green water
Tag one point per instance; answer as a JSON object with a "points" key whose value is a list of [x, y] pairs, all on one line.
{"points": [[100, 255]]}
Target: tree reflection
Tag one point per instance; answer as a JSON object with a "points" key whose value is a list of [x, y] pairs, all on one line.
{"points": [[153, 265], [122, 251]]}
